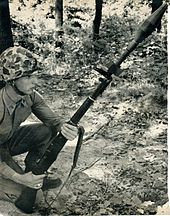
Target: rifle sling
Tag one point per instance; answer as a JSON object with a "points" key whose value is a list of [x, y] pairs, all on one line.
{"points": [[75, 159]]}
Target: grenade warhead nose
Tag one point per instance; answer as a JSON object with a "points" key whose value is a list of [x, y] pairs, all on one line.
{"points": [[149, 25], [145, 29]]}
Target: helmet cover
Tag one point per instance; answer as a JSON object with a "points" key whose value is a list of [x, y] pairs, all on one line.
{"points": [[16, 62]]}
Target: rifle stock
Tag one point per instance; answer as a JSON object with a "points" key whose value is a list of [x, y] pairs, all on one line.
{"points": [[27, 199], [28, 196]]}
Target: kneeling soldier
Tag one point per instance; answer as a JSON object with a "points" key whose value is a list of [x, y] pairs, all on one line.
{"points": [[18, 100]]}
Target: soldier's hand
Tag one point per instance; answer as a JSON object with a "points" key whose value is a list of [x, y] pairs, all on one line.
{"points": [[69, 131], [29, 179]]}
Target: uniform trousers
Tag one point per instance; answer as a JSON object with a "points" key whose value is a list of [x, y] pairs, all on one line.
{"points": [[31, 138]]}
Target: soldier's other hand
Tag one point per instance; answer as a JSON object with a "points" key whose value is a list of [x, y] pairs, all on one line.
{"points": [[29, 180], [69, 131]]}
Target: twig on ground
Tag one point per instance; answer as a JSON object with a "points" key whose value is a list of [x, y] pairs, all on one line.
{"points": [[85, 168], [97, 130]]}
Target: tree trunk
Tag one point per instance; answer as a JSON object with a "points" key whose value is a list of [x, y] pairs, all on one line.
{"points": [[97, 19], [6, 39], [155, 5], [59, 23], [59, 13]]}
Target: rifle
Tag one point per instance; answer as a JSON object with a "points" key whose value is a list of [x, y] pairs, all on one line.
{"points": [[40, 165]]}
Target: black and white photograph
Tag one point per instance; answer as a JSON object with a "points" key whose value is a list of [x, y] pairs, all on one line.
{"points": [[84, 107]]}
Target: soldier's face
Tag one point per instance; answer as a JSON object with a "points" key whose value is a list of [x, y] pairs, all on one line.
{"points": [[26, 84]]}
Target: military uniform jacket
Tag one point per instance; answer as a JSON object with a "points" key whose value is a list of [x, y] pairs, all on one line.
{"points": [[13, 112]]}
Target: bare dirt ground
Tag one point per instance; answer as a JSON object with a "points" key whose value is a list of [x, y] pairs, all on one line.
{"points": [[122, 167]]}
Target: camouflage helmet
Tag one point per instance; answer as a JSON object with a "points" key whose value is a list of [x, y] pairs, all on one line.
{"points": [[16, 62]]}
